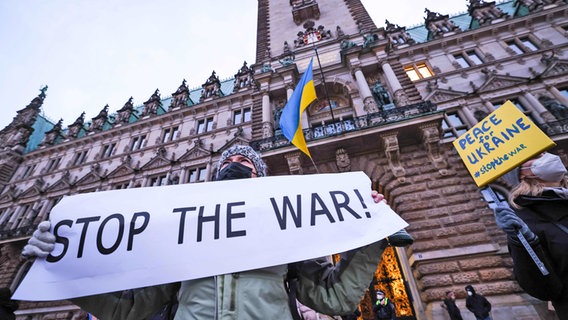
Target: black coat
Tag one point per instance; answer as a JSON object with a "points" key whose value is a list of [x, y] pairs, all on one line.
{"points": [[386, 311], [453, 309], [7, 309], [478, 305], [551, 247]]}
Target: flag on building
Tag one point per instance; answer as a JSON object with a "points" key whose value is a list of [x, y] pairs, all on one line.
{"points": [[291, 117]]}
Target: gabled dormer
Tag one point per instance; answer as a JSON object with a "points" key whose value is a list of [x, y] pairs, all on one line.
{"points": [[152, 105], [211, 88], [181, 97], [98, 122], [126, 113], [397, 35], [483, 13], [439, 25]]}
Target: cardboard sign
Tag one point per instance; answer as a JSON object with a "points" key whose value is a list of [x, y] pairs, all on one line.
{"points": [[500, 142], [122, 239]]}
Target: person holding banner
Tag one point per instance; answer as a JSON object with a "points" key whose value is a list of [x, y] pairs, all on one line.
{"points": [[267, 293], [540, 203], [7, 305]]}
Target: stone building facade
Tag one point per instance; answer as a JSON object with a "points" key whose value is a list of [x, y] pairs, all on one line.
{"points": [[390, 102]]}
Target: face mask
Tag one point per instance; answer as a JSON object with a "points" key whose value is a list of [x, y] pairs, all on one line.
{"points": [[233, 171], [469, 293], [548, 167]]}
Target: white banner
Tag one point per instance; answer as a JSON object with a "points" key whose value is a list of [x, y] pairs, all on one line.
{"points": [[122, 239]]}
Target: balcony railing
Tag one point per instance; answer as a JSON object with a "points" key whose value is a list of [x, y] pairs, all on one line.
{"points": [[18, 232], [347, 125], [554, 128]]}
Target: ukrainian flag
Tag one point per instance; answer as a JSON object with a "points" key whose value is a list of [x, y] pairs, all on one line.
{"points": [[290, 119]]}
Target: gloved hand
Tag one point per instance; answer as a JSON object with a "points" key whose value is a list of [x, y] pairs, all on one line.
{"points": [[509, 222], [41, 243]]}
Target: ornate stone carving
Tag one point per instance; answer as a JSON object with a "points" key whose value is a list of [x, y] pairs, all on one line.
{"points": [[438, 24], [431, 139], [52, 136], [74, 128], [342, 160], [311, 34], [294, 163], [181, 96], [304, 9], [392, 153], [484, 12], [243, 78], [211, 88], [125, 112], [154, 102], [397, 35], [99, 121], [267, 129], [400, 98]]}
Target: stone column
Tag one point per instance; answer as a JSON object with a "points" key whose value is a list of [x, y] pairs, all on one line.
{"points": [[45, 208], [208, 171], [532, 102], [182, 174], [469, 116], [390, 76], [4, 216], [370, 106], [393, 83], [489, 106], [267, 119], [557, 95]]}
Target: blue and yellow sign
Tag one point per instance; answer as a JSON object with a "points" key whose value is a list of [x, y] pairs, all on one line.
{"points": [[500, 142]]}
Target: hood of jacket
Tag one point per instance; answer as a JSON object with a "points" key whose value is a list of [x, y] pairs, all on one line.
{"points": [[470, 288], [549, 203]]}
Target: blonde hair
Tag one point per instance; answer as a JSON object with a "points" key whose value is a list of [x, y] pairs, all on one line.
{"points": [[530, 187]]}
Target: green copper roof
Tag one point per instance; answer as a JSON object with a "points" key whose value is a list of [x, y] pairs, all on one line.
{"points": [[464, 21], [40, 126]]}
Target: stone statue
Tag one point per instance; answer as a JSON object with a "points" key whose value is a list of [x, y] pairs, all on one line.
{"points": [[380, 93], [339, 32], [346, 44], [558, 110]]}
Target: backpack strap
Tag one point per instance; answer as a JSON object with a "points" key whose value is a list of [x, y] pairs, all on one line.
{"points": [[291, 285]]}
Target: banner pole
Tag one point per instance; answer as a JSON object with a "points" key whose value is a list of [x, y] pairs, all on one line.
{"points": [[524, 241]]}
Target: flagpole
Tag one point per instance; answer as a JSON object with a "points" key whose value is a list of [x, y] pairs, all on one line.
{"points": [[323, 81]]}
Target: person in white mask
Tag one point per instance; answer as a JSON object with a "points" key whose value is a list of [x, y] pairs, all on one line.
{"points": [[540, 212]]}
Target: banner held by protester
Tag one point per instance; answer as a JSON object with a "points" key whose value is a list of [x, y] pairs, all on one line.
{"points": [[122, 239], [500, 142]]}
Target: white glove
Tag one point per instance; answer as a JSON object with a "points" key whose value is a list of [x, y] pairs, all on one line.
{"points": [[41, 243]]}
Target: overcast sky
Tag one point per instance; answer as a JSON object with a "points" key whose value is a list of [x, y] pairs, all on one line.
{"points": [[96, 52]]}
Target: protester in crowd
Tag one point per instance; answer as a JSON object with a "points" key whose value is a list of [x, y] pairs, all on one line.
{"points": [[450, 305], [7, 305], [255, 294], [540, 203], [477, 304], [383, 308], [353, 316]]}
